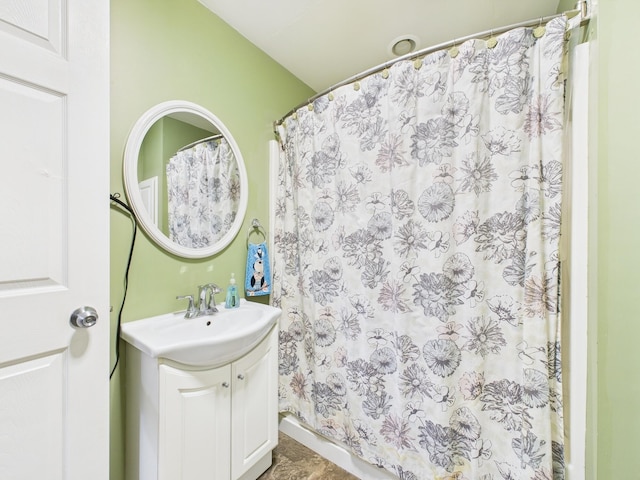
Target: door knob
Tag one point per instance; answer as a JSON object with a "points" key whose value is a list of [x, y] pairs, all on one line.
{"points": [[84, 317]]}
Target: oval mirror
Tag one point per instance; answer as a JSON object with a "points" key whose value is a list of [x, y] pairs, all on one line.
{"points": [[185, 179]]}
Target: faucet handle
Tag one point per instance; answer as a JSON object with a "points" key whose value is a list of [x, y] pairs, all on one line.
{"points": [[191, 308]]}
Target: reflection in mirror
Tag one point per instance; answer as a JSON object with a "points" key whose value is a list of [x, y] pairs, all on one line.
{"points": [[185, 179], [204, 192], [164, 138], [196, 178]]}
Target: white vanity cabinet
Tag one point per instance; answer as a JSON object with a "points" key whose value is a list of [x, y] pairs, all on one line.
{"points": [[202, 424]]}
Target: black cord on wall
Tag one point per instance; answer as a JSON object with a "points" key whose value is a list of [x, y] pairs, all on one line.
{"points": [[115, 197]]}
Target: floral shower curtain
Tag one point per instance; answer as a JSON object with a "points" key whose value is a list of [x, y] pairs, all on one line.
{"points": [[203, 184], [416, 262]]}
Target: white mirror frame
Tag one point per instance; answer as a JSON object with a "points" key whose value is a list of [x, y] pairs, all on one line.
{"points": [[130, 172]]}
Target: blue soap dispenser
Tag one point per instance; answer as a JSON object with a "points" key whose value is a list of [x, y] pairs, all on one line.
{"points": [[232, 299]]}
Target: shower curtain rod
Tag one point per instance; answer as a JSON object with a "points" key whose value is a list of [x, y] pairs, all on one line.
{"points": [[580, 10], [193, 144]]}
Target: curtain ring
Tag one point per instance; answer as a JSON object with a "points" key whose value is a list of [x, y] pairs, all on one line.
{"points": [[454, 51], [491, 42], [540, 30]]}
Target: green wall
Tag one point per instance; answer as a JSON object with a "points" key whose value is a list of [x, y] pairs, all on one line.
{"points": [[170, 50], [566, 5], [618, 260]]}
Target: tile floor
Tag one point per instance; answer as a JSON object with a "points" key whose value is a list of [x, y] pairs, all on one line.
{"points": [[294, 461]]}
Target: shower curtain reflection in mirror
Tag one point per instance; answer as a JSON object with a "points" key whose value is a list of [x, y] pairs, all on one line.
{"points": [[203, 184], [416, 262]]}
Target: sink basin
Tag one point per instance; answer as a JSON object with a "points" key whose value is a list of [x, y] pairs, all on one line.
{"points": [[210, 340]]}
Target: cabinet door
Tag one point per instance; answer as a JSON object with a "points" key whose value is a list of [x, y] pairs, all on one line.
{"points": [[194, 424], [254, 405]]}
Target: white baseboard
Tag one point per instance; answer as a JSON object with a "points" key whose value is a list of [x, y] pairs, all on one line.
{"points": [[290, 426]]}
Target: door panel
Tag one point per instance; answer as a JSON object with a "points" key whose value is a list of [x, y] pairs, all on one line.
{"points": [[33, 166], [254, 405], [35, 21], [194, 424], [31, 406]]}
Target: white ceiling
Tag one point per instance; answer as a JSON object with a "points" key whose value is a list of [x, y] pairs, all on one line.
{"points": [[323, 42]]}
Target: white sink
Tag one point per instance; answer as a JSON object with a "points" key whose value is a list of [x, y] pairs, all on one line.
{"points": [[211, 340]]}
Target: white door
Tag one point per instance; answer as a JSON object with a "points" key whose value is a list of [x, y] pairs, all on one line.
{"points": [[54, 213]]}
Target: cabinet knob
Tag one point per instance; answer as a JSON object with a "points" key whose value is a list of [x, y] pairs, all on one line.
{"points": [[240, 376], [225, 384]]}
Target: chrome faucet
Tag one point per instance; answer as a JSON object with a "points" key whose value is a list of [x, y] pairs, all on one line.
{"points": [[207, 304]]}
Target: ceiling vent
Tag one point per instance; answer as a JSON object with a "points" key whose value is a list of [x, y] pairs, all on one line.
{"points": [[403, 45]]}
